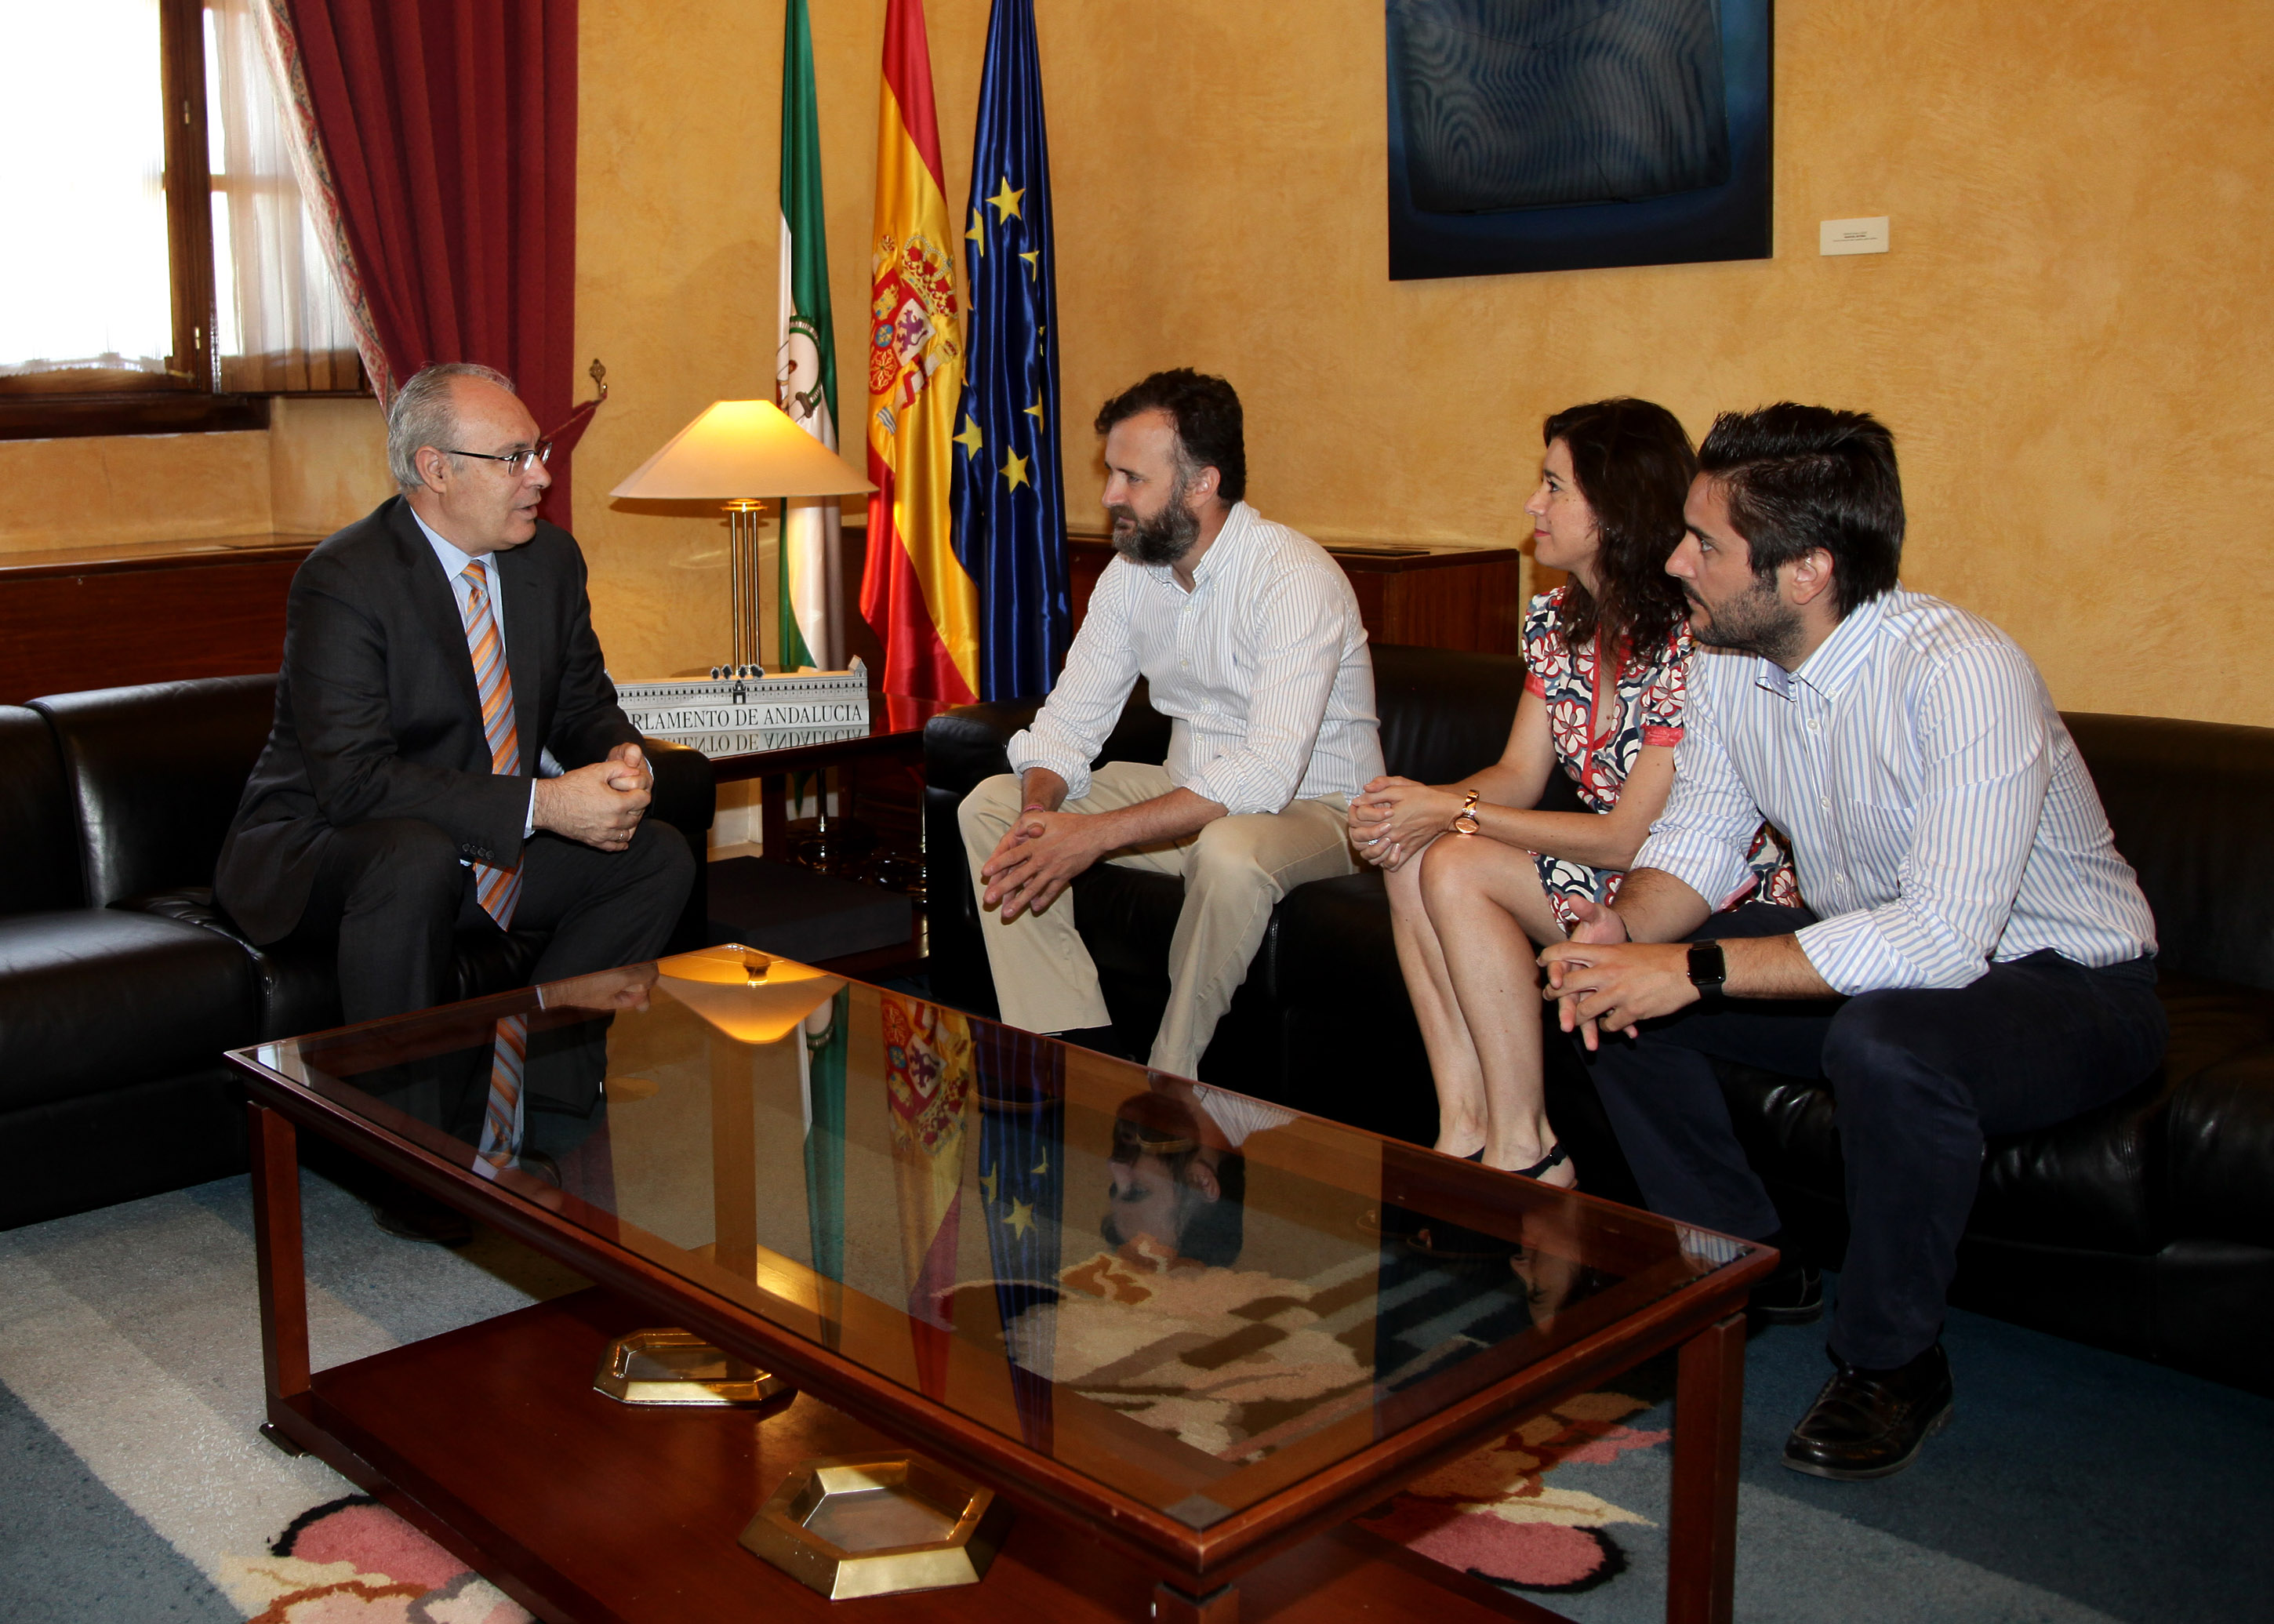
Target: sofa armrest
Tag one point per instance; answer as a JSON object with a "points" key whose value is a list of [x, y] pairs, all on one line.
{"points": [[686, 797], [968, 745], [965, 747]]}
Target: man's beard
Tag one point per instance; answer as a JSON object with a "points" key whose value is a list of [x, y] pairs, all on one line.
{"points": [[1755, 621], [1162, 539]]}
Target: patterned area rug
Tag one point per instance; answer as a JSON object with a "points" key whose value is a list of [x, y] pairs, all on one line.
{"points": [[1235, 1361], [1496, 1515], [353, 1561], [2075, 1487]]}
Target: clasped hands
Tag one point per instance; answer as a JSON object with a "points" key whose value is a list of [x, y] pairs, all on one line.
{"points": [[1599, 978], [1391, 819], [1038, 857], [599, 805]]}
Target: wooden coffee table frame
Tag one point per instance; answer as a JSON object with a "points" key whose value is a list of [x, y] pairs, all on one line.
{"points": [[1195, 1571]]}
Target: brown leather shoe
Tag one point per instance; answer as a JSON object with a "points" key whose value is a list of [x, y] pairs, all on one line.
{"points": [[1871, 1423]]}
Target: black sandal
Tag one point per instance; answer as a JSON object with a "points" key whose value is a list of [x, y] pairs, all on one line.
{"points": [[1554, 1158]]}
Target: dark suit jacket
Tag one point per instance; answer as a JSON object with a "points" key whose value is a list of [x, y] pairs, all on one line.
{"points": [[377, 715]]}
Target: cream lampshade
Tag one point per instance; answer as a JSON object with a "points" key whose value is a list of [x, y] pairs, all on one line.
{"points": [[740, 453]]}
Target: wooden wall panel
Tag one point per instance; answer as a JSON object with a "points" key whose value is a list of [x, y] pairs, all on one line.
{"points": [[109, 622], [1435, 597]]}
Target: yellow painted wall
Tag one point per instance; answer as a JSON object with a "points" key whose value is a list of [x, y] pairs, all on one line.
{"points": [[319, 464], [326, 464], [2070, 338], [134, 487]]}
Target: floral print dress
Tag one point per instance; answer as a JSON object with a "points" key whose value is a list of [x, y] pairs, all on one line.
{"points": [[1598, 732]]}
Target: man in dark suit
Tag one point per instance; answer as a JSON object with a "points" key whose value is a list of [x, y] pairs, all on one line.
{"points": [[447, 750]]}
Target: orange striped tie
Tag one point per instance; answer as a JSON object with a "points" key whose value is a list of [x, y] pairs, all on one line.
{"points": [[498, 889], [501, 1118]]}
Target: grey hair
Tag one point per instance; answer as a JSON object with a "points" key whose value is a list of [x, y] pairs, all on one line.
{"points": [[422, 415]]}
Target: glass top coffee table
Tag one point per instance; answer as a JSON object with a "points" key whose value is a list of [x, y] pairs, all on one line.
{"points": [[1187, 1334]]}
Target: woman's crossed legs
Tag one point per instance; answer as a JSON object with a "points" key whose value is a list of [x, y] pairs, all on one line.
{"points": [[1465, 912]]}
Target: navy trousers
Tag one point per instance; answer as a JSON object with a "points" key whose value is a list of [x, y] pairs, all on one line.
{"points": [[1919, 1079]]}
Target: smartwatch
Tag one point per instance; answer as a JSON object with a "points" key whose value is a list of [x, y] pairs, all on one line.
{"points": [[1464, 821], [1707, 972]]}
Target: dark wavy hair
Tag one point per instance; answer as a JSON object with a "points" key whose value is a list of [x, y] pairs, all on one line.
{"points": [[1634, 465], [1209, 1232], [1206, 412], [1800, 477]]}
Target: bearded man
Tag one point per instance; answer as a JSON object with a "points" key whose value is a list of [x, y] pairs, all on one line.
{"points": [[1975, 959], [1248, 636]]}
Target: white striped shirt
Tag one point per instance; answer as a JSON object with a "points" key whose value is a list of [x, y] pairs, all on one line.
{"points": [[1937, 811], [1261, 669]]}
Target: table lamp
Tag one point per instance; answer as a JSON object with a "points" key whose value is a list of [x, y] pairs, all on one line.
{"points": [[741, 453]]}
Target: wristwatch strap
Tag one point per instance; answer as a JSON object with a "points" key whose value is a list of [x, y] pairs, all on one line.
{"points": [[1708, 970]]}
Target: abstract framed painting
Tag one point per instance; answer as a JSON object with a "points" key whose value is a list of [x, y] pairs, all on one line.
{"points": [[1559, 135]]}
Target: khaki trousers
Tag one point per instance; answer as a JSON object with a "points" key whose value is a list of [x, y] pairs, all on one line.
{"points": [[1234, 871]]}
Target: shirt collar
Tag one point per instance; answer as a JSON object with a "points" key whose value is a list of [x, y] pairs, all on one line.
{"points": [[1226, 542], [1212, 561], [453, 561], [1836, 661], [1840, 656]]}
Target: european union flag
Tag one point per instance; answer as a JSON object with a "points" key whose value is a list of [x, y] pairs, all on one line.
{"points": [[1009, 500], [1022, 1175]]}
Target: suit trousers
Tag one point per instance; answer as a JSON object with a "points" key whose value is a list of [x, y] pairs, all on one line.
{"points": [[393, 894], [1920, 1077], [1235, 871]]}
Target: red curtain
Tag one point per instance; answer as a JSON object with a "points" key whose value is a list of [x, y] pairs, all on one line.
{"points": [[449, 131]]}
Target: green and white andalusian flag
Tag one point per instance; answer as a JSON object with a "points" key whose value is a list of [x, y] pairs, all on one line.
{"points": [[805, 366]]}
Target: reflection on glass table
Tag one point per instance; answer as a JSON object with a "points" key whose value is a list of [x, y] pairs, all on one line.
{"points": [[1194, 1298]]}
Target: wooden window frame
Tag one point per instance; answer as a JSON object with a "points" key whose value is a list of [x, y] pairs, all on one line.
{"points": [[188, 399]]}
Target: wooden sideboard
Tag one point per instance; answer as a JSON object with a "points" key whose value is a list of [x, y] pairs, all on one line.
{"points": [[143, 612], [157, 612], [1428, 593]]}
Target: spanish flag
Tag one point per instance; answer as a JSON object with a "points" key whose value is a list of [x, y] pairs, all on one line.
{"points": [[915, 592]]}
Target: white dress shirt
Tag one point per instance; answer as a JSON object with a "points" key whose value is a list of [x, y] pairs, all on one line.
{"points": [[1937, 809], [1236, 1116], [454, 565], [1261, 668]]}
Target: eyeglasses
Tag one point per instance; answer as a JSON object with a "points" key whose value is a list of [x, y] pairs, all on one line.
{"points": [[517, 462]]}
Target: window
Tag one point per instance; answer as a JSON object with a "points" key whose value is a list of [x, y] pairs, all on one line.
{"points": [[173, 273]]}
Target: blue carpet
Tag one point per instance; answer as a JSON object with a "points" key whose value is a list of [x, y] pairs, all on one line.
{"points": [[2073, 1487], [2137, 1491], [74, 1551]]}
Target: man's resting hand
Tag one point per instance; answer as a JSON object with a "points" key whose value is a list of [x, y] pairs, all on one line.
{"points": [[634, 772], [1037, 858], [587, 805]]}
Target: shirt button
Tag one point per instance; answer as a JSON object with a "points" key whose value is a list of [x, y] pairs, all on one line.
{"points": [[1811, 723], [1187, 664], [1824, 803]]}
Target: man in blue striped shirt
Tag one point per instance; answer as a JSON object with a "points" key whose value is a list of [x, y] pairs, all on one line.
{"points": [[1974, 958]]}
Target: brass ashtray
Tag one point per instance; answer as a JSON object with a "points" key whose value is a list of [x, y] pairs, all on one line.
{"points": [[879, 1525], [672, 1366]]}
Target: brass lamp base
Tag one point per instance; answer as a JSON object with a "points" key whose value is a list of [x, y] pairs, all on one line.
{"points": [[672, 1366], [881, 1524]]}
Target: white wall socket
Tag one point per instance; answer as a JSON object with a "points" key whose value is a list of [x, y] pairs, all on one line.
{"points": [[1847, 237]]}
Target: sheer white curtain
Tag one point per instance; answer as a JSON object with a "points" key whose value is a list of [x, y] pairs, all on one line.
{"points": [[281, 322]]}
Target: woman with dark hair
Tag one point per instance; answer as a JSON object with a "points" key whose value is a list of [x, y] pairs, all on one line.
{"points": [[1476, 875]]}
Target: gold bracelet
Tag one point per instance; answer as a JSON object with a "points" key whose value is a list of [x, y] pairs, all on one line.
{"points": [[1464, 821]]}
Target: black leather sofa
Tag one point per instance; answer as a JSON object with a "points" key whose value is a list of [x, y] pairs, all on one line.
{"points": [[121, 984], [2146, 1227]]}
